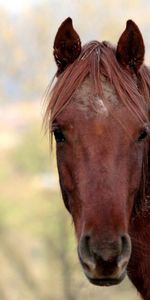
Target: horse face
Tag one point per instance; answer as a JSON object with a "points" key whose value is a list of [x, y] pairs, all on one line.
{"points": [[99, 163], [99, 145]]}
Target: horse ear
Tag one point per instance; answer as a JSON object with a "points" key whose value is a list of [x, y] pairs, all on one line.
{"points": [[67, 45], [130, 50]]}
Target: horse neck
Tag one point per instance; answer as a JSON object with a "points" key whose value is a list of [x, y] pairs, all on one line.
{"points": [[141, 211], [146, 170]]}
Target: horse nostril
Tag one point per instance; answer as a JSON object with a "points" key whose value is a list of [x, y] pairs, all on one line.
{"points": [[104, 254], [126, 251], [84, 245], [84, 248], [126, 244], [85, 254]]}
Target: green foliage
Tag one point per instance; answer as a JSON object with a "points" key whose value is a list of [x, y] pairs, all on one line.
{"points": [[31, 156]]}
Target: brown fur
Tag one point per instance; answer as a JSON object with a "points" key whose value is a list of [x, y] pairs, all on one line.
{"points": [[99, 59], [94, 196]]}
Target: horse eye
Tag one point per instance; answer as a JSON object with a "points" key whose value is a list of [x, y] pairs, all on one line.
{"points": [[59, 137], [143, 134]]}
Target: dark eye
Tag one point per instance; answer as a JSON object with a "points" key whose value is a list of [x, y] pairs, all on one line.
{"points": [[143, 134], [59, 137]]}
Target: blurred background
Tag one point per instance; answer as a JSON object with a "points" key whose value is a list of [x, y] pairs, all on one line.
{"points": [[37, 246]]}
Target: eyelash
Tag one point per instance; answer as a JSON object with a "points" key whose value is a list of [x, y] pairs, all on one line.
{"points": [[143, 134], [58, 134], [60, 138]]}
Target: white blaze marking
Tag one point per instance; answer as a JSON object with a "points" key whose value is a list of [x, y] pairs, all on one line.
{"points": [[101, 106], [95, 104]]}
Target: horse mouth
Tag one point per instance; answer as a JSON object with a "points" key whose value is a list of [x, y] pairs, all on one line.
{"points": [[106, 281]]}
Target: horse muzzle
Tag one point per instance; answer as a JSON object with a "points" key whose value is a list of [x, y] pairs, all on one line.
{"points": [[104, 262]]}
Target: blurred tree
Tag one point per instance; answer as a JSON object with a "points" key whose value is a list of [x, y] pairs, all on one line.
{"points": [[58, 245], [25, 63], [32, 155]]}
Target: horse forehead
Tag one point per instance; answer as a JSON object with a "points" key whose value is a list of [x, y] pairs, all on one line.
{"points": [[95, 104]]}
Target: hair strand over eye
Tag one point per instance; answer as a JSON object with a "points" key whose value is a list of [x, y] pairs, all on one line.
{"points": [[59, 136], [143, 134]]}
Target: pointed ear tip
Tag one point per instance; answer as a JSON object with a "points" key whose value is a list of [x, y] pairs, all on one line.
{"points": [[130, 23], [67, 21]]}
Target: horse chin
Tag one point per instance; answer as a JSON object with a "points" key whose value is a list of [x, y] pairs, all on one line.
{"points": [[106, 281]]}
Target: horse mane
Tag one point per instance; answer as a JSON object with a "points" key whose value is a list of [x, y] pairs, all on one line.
{"points": [[96, 60]]}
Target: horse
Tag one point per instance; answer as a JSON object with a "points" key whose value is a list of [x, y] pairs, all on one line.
{"points": [[98, 111]]}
